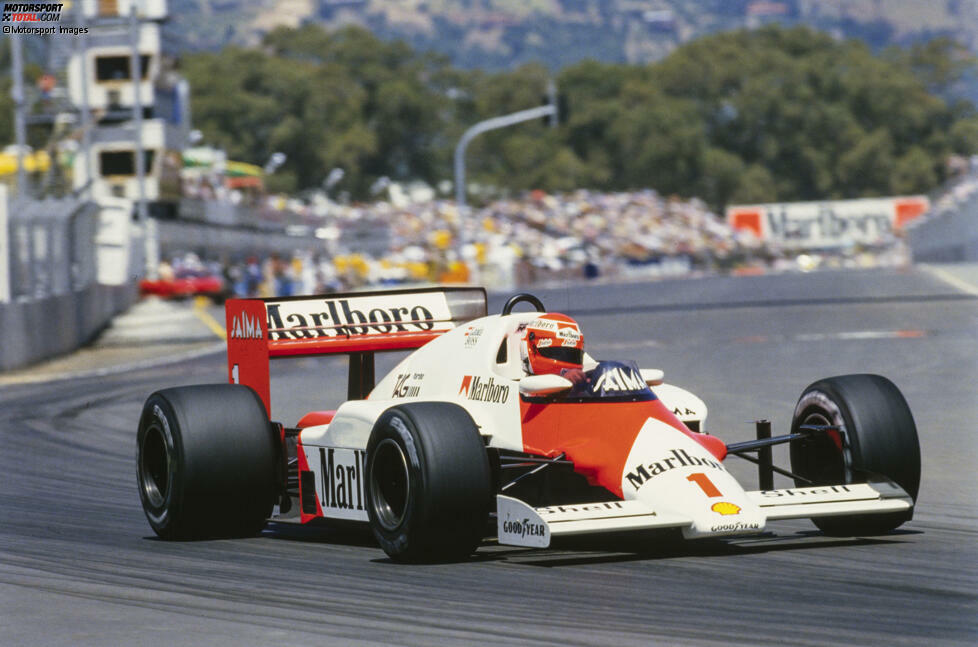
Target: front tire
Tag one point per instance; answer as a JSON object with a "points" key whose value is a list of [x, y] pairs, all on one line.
{"points": [[205, 462], [428, 482], [880, 438]]}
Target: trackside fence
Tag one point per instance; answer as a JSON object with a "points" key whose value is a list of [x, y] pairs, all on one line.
{"points": [[52, 248], [949, 232], [949, 236], [50, 302]]}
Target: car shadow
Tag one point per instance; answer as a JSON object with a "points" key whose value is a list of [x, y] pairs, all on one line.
{"points": [[639, 546], [339, 533], [585, 550]]}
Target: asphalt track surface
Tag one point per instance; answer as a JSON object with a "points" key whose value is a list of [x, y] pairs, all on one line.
{"points": [[79, 564]]}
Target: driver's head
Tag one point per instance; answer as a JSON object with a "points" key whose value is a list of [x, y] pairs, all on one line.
{"points": [[552, 342]]}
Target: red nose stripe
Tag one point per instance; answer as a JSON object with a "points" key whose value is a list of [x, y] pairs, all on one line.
{"points": [[598, 436]]}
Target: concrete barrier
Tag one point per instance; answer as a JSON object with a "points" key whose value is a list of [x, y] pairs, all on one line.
{"points": [[31, 331]]}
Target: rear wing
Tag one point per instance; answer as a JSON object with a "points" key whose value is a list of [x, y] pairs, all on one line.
{"points": [[357, 324]]}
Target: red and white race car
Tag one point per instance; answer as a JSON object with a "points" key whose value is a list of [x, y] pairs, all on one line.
{"points": [[458, 434], [204, 285]]}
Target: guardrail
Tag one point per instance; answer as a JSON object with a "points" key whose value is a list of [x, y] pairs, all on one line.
{"points": [[51, 247], [50, 301]]}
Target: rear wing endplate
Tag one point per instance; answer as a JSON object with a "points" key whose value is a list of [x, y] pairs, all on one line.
{"points": [[357, 324]]}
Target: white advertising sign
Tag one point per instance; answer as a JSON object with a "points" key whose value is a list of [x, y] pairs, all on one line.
{"points": [[833, 223], [113, 241]]}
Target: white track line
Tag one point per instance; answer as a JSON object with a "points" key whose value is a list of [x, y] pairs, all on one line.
{"points": [[43, 378], [951, 280]]}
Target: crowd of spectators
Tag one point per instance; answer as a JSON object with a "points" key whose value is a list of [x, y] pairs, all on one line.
{"points": [[539, 237], [535, 238], [961, 190], [582, 234]]}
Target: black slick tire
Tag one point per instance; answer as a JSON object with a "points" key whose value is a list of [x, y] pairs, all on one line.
{"points": [[205, 462], [880, 438], [428, 482]]}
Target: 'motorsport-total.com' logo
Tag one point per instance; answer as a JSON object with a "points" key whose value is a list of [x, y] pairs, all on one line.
{"points": [[35, 18]]}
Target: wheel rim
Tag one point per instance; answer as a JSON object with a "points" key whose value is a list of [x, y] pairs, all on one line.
{"points": [[154, 466], [825, 463], [390, 484]]}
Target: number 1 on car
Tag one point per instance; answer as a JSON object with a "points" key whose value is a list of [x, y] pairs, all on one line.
{"points": [[702, 480]]}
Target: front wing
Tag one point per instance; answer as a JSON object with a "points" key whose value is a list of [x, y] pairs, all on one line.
{"points": [[519, 524]]}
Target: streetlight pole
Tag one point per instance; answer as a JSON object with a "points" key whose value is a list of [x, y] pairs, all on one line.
{"points": [[20, 127], [552, 100], [485, 126], [81, 45], [149, 226]]}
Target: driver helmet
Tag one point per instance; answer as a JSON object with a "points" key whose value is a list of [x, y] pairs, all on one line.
{"points": [[551, 343]]}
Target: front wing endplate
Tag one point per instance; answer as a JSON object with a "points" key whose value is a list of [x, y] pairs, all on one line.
{"points": [[519, 524]]}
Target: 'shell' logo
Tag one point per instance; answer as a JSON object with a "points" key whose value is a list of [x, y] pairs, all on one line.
{"points": [[725, 508]]}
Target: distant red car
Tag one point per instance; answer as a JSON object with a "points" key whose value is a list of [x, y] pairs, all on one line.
{"points": [[188, 286]]}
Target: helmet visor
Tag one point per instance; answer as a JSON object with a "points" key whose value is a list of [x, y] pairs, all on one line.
{"points": [[563, 354]]}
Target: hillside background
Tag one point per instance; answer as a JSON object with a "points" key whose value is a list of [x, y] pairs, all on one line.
{"points": [[502, 34], [726, 100]]}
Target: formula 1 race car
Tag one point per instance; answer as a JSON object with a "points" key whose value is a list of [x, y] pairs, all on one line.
{"points": [[460, 434], [203, 285]]}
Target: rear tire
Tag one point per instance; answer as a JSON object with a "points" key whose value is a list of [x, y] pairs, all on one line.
{"points": [[881, 439], [429, 487], [205, 462]]}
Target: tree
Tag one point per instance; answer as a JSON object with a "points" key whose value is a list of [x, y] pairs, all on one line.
{"points": [[721, 173], [964, 136], [914, 172], [939, 63], [768, 114], [755, 185]]}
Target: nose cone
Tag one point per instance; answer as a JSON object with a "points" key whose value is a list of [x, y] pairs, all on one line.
{"points": [[669, 471]]}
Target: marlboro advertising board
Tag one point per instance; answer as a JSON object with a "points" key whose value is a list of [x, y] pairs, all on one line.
{"points": [[834, 223]]}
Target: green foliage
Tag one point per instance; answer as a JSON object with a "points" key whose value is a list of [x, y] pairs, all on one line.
{"points": [[964, 136], [938, 63], [326, 100], [755, 185], [745, 116], [914, 172]]}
